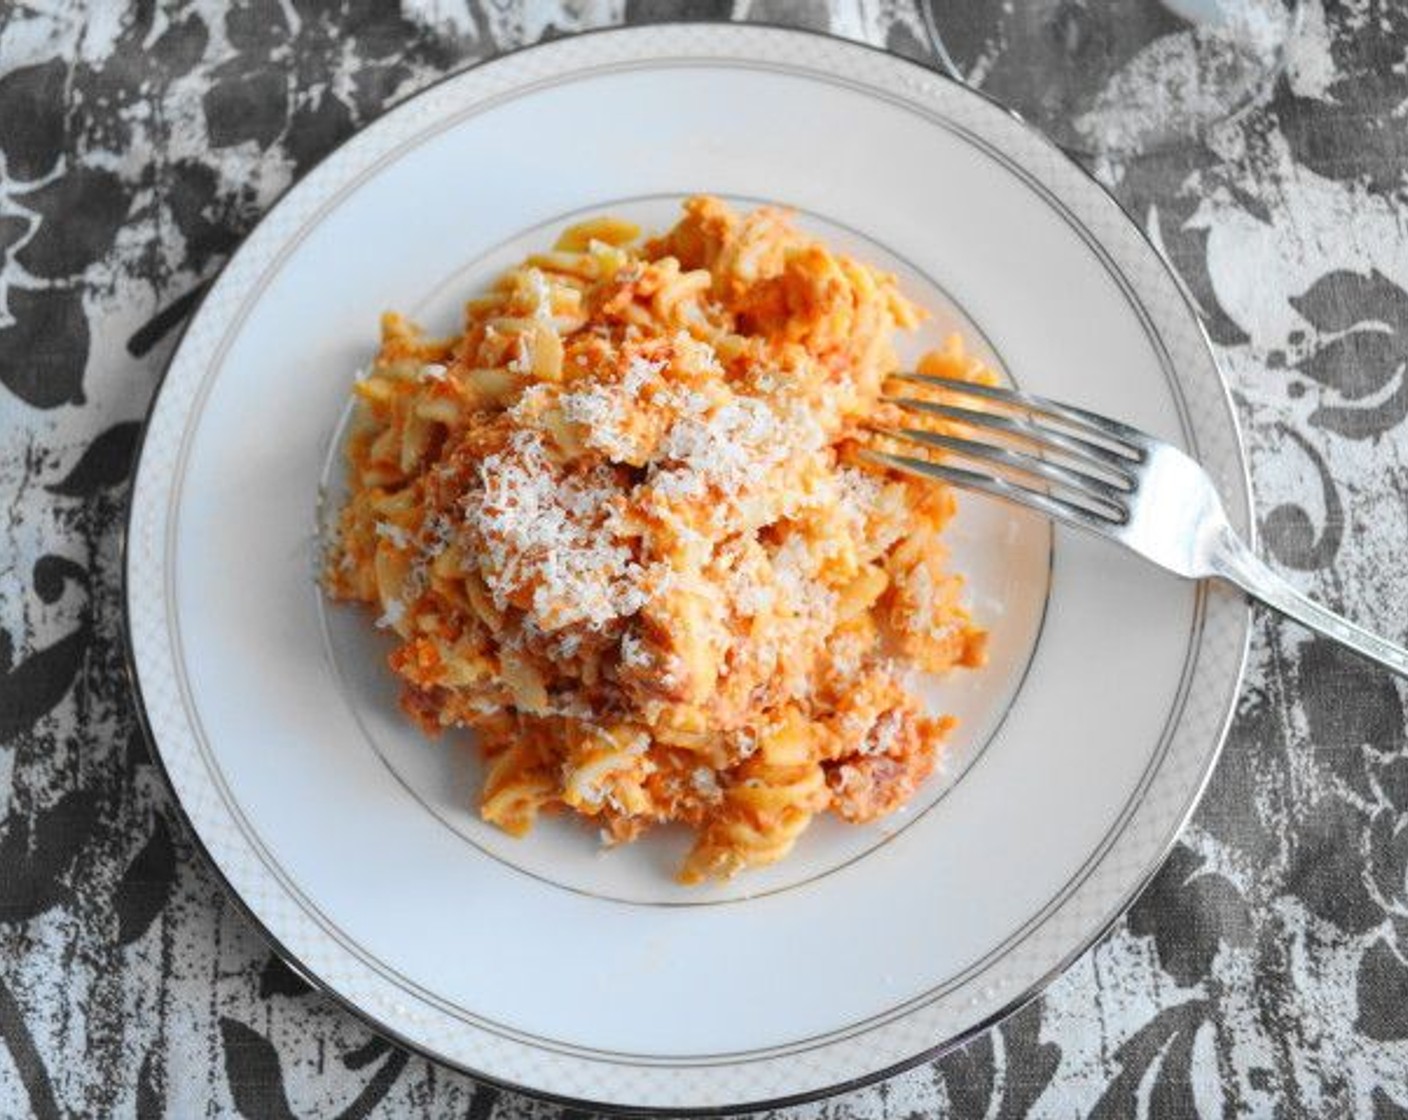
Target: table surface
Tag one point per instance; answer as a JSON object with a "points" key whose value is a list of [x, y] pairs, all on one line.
{"points": [[1265, 972]]}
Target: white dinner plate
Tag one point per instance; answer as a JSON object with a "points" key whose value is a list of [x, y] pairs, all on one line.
{"points": [[543, 963]]}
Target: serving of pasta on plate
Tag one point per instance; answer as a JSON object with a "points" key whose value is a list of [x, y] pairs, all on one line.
{"points": [[622, 528]]}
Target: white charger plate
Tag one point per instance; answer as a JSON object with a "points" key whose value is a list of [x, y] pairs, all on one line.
{"points": [[542, 963]]}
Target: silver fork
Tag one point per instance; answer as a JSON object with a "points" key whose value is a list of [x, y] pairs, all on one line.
{"points": [[1098, 474]]}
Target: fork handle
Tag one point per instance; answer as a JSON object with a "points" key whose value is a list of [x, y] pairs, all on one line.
{"points": [[1238, 564]]}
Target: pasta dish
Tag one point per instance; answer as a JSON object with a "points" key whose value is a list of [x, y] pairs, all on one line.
{"points": [[623, 528]]}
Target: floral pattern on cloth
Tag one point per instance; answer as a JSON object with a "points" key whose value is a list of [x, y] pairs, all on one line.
{"points": [[1265, 971]]}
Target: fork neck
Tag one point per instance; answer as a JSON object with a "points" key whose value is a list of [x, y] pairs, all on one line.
{"points": [[1235, 562]]}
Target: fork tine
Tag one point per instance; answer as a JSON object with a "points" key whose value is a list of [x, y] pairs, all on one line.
{"points": [[1093, 456], [1002, 488], [1104, 496], [1126, 440]]}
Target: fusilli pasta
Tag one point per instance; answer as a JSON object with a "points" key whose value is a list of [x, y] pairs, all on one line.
{"points": [[619, 526]]}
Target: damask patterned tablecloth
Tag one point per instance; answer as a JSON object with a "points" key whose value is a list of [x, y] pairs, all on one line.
{"points": [[1264, 973]]}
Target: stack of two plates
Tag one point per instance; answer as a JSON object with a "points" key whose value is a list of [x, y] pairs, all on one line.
{"points": [[540, 963]]}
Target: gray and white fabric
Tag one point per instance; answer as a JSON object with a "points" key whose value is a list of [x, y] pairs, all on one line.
{"points": [[1264, 973]]}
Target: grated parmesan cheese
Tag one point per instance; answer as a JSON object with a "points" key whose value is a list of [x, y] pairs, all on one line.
{"points": [[394, 535], [706, 783], [392, 615], [638, 373], [633, 652], [544, 529], [602, 411], [884, 735], [437, 534]]}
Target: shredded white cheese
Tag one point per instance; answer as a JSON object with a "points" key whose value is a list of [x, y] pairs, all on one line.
{"points": [[543, 528], [706, 783], [393, 614], [396, 536]]}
